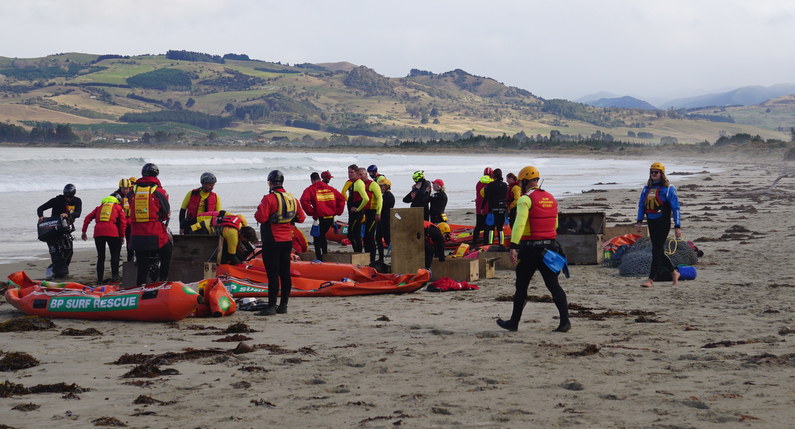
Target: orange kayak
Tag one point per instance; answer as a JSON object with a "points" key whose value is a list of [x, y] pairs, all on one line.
{"points": [[321, 279], [155, 302]]}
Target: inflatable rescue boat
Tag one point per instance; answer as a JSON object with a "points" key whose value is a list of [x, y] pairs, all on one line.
{"points": [[155, 302], [320, 279]]}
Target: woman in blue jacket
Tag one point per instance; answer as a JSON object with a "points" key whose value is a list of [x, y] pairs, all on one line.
{"points": [[658, 204]]}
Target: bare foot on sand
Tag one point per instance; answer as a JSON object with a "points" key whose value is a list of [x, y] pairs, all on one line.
{"points": [[676, 275], [647, 283]]}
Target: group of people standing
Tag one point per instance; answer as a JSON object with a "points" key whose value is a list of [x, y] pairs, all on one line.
{"points": [[139, 212]]}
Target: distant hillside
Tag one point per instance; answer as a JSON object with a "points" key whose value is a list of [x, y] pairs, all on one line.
{"points": [[745, 96], [625, 102], [587, 99], [193, 96]]}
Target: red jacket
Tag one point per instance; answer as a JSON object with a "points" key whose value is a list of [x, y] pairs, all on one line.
{"points": [[480, 208], [113, 227], [321, 200], [275, 232], [148, 215]]}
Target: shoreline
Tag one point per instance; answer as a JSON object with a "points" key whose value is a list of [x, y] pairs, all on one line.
{"points": [[716, 351]]}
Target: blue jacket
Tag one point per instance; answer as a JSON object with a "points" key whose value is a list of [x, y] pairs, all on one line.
{"points": [[667, 204]]}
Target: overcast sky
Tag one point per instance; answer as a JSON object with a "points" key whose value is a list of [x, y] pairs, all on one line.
{"points": [[656, 50]]}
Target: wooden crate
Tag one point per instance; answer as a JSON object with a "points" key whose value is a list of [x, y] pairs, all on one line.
{"points": [[307, 256], [346, 258], [581, 223], [189, 255], [408, 239], [504, 261], [618, 230], [582, 249], [487, 265], [467, 270]]}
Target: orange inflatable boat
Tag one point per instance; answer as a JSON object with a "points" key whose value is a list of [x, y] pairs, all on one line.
{"points": [[321, 279], [155, 302]]}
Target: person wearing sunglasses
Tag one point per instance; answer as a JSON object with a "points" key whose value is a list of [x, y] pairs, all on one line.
{"points": [[659, 203]]}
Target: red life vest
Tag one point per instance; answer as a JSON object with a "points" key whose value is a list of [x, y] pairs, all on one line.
{"points": [[543, 215], [369, 193], [211, 203], [353, 197]]}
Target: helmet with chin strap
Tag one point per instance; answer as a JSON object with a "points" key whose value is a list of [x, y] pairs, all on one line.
{"points": [[418, 175], [150, 170], [276, 177], [207, 178], [528, 173], [657, 166], [69, 190]]}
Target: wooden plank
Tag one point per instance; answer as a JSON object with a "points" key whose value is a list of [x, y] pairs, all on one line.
{"points": [[408, 240], [582, 249], [345, 258]]}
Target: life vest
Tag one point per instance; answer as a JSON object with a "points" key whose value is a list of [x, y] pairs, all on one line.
{"points": [[228, 219], [106, 211], [142, 202], [543, 215], [353, 197], [654, 202], [286, 208], [369, 194], [195, 200]]}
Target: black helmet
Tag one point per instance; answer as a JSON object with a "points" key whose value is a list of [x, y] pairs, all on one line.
{"points": [[208, 177], [276, 177], [372, 168], [69, 190], [150, 170]]}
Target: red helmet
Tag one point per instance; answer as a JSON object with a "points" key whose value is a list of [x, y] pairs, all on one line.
{"points": [[326, 175], [439, 182], [488, 171]]}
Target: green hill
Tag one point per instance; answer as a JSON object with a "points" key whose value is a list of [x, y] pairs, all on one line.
{"points": [[242, 98]]}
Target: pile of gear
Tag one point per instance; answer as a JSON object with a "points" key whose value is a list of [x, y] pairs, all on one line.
{"points": [[635, 260]]}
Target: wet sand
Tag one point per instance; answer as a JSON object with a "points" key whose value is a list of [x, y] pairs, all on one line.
{"points": [[713, 352]]}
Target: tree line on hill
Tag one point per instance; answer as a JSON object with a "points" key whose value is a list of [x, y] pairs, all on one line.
{"points": [[43, 132]]}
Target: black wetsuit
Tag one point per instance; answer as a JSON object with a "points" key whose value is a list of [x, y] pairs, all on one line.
{"points": [[61, 248]]}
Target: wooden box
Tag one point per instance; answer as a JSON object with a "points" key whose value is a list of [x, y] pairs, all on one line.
{"points": [[618, 230], [189, 255], [408, 239], [307, 256], [346, 258], [582, 249], [487, 264], [504, 261], [467, 270], [580, 234]]}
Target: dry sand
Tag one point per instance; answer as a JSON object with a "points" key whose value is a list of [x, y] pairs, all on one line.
{"points": [[714, 352]]}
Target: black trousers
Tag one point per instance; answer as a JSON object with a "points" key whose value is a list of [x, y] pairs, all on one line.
{"points": [[382, 236], [143, 259], [355, 230], [370, 226], [114, 245], [658, 233], [531, 259], [61, 252], [496, 229], [276, 258], [321, 242], [480, 226]]}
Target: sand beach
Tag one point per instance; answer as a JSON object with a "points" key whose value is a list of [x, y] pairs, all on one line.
{"points": [[718, 351]]}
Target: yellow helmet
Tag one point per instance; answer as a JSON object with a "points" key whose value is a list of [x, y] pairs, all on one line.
{"points": [[443, 227], [125, 183], [133, 179], [418, 175], [657, 166], [382, 180], [528, 173]]}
